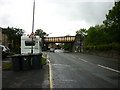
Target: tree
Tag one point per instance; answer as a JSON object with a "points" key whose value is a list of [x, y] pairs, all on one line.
{"points": [[112, 23], [14, 34], [68, 46], [105, 36], [96, 35], [41, 33], [82, 32]]}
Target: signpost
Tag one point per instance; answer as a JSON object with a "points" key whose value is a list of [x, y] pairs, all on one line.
{"points": [[32, 35]]}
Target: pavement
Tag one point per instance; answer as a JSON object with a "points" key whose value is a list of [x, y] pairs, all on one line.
{"points": [[38, 78], [26, 79]]}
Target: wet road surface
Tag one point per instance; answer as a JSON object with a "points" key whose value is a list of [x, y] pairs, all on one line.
{"points": [[70, 70]]}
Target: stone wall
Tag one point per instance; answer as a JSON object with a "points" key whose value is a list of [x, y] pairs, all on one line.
{"points": [[78, 44]]}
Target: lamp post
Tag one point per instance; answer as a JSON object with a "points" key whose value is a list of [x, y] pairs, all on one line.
{"points": [[33, 25]]}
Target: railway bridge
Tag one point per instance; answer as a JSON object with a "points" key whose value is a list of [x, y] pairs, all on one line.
{"points": [[76, 40], [64, 39]]}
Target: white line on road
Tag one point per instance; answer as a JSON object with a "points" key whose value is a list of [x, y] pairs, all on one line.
{"points": [[108, 68], [83, 60], [101, 66]]}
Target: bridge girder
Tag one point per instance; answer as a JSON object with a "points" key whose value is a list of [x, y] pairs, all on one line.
{"points": [[66, 39]]}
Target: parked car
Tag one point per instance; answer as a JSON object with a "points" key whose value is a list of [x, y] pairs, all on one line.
{"points": [[5, 51], [52, 49]]}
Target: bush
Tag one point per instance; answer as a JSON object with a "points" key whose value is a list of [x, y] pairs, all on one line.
{"points": [[12, 53], [43, 61]]}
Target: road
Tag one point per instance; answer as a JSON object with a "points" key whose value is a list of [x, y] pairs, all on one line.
{"points": [[70, 70]]}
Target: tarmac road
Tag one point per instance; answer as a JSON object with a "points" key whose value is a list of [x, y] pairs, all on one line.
{"points": [[83, 71]]}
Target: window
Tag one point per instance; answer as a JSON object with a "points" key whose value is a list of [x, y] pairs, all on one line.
{"points": [[29, 43]]}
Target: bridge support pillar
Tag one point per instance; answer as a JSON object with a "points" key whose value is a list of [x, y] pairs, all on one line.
{"points": [[78, 44]]}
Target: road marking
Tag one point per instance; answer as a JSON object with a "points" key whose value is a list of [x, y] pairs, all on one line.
{"points": [[50, 75], [61, 65], [83, 60], [108, 68], [101, 66]]}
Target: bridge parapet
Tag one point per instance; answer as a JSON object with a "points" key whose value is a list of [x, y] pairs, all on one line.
{"points": [[64, 39]]}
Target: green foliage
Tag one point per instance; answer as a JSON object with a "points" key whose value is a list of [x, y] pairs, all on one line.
{"points": [[82, 32], [112, 23], [13, 32], [113, 17], [105, 36], [40, 33], [14, 36], [68, 46], [103, 47], [96, 35], [12, 53], [43, 61]]}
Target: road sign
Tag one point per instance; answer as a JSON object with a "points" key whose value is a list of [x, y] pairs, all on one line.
{"points": [[32, 35]]}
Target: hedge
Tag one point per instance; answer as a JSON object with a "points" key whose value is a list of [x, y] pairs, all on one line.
{"points": [[103, 47]]}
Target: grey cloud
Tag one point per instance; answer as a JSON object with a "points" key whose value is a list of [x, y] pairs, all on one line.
{"points": [[91, 12]]}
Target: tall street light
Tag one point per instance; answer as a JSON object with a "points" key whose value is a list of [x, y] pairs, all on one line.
{"points": [[33, 25]]}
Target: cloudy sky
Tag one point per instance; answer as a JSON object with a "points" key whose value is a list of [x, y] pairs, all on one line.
{"points": [[58, 17]]}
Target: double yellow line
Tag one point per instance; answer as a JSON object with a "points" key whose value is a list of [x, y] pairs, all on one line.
{"points": [[50, 75], [50, 72]]}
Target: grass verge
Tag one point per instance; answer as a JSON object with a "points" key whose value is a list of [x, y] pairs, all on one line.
{"points": [[7, 66], [43, 61]]}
